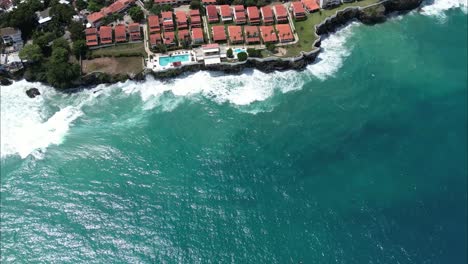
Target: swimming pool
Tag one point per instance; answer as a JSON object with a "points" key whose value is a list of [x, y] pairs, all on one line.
{"points": [[164, 61], [239, 50]]}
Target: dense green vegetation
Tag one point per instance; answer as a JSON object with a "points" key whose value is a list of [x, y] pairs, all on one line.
{"points": [[242, 56]]}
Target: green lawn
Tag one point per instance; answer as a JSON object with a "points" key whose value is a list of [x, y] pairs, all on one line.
{"points": [[121, 50], [306, 29]]}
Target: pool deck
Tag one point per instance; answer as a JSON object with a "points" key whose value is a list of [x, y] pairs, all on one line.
{"points": [[152, 63]]}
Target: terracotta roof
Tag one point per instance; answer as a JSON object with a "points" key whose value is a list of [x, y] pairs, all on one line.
{"points": [[239, 8], [166, 15], [219, 33], [181, 17], [212, 12], [297, 7], [251, 34], [134, 27], [153, 21], [280, 11], [284, 32], [225, 11], [268, 34], [114, 8], [91, 31], [267, 14], [91, 40], [197, 33], [235, 34], [94, 17], [252, 12], [184, 33], [105, 34], [209, 1], [120, 33], [155, 39], [211, 46], [163, 1], [194, 12], [311, 5], [169, 38]]}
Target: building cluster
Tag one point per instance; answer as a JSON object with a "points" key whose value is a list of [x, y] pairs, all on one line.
{"points": [[12, 44], [95, 19], [107, 35]]}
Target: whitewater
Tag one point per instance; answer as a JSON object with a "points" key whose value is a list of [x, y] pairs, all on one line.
{"points": [[29, 126]]}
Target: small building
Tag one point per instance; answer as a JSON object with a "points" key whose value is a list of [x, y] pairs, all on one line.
{"points": [[114, 8], [219, 33], [12, 37], [235, 34], [183, 36], [329, 3], [155, 39], [167, 21], [153, 24], [298, 11], [105, 35], [43, 16], [165, 2], [310, 5], [239, 15], [135, 31], [181, 18], [225, 12], [208, 2], [212, 14], [251, 35], [267, 15], [95, 19], [195, 19], [281, 14], [169, 38], [211, 54], [120, 32], [268, 34], [10, 62], [197, 36], [91, 37], [253, 15], [285, 33]]}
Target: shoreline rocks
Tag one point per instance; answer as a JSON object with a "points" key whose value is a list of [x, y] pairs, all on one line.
{"points": [[33, 92]]}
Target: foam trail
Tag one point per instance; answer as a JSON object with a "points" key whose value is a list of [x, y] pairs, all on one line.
{"points": [[438, 8], [29, 126], [335, 48]]}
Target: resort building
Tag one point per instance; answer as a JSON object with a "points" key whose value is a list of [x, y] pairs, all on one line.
{"points": [[135, 33], [169, 38], [251, 34], [44, 16], [95, 19], [183, 36], [171, 2], [253, 15], [155, 39], [181, 18], [268, 34], [195, 19], [211, 54], [267, 15], [284, 33], [153, 23], [235, 34], [219, 34], [310, 5], [105, 35], [91, 37], [329, 3], [281, 14], [298, 11], [239, 14], [209, 2], [167, 21], [212, 14], [197, 36], [225, 12], [120, 32]]}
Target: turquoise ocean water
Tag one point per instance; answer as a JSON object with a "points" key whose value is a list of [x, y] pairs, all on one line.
{"points": [[360, 158]]}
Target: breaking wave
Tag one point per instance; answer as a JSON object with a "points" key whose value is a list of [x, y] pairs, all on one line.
{"points": [[438, 8]]}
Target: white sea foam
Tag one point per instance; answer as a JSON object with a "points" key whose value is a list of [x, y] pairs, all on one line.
{"points": [[29, 126], [335, 48], [438, 8]]}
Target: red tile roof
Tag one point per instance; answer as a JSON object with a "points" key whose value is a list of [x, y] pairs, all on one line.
{"points": [[120, 33], [235, 34], [181, 18], [105, 34], [253, 14], [225, 11], [91, 31], [155, 39], [183, 34], [153, 22], [134, 27], [209, 1], [197, 33], [91, 37], [239, 8], [284, 32], [219, 33], [297, 7], [163, 1], [195, 12], [280, 12], [251, 34], [311, 5], [268, 34], [166, 16], [212, 13], [169, 38], [115, 7], [95, 17], [267, 14]]}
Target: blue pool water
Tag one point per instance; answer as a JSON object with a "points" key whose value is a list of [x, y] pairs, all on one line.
{"points": [[164, 61], [239, 50]]}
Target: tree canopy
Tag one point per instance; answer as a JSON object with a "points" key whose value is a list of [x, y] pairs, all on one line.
{"points": [[32, 53], [136, 13]]}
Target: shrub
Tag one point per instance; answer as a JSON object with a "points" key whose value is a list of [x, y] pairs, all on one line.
{"points": [[254, 53], [271, 47], [229, 53], [195, 4], [242, 56]]}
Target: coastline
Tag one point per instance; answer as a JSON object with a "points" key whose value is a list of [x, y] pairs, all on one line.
{"points": [[369, 15]]}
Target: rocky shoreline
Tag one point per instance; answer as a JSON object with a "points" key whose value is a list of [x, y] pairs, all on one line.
{"points": [[376, 13]]}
